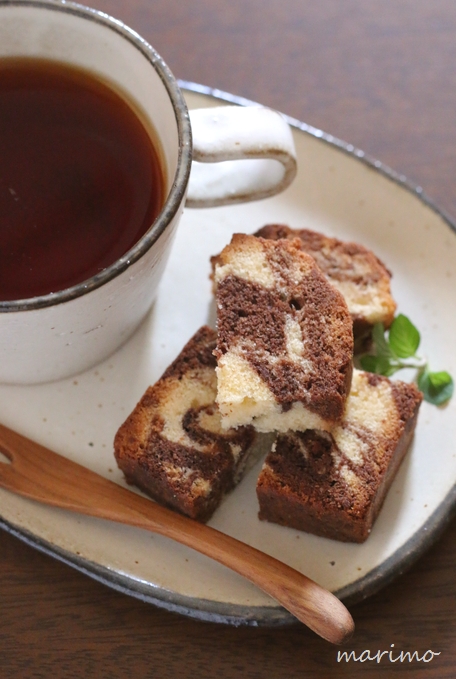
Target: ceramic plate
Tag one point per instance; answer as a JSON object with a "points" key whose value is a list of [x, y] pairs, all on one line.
{"points": [[342, 193]]}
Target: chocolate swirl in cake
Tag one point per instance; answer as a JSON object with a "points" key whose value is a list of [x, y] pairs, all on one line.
{"points": [[355, 271], [285, 340], [333, 484], [172, 445]]}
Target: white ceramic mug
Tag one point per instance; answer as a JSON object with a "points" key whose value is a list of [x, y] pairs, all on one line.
{"points": [[62, 333]]}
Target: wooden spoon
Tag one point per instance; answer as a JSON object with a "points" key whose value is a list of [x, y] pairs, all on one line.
{"points": [[40, 474]]}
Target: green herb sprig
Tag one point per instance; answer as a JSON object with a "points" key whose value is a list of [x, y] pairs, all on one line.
{"points": [[398, 349]]}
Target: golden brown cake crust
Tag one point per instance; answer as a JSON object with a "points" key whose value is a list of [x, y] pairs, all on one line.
{"points": [[311, 483], [252, 320], [190, 463]]}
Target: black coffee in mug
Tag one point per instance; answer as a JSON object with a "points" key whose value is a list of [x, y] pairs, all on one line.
{"points": [[80, 177]]}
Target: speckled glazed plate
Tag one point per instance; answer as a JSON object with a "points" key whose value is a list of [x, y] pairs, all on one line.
{"points": [[339, 192]]}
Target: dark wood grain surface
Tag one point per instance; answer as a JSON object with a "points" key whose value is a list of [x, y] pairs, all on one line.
{"points": [[380, 75]]}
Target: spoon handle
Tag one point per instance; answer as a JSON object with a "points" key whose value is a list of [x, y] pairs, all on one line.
{"points": [[40, 474]]}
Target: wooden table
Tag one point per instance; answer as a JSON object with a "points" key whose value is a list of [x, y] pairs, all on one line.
{"points": [[382, 76]]}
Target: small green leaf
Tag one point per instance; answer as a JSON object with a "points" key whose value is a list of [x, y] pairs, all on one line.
{"points": [[381, 344], [397, 351], [437, 387], [377, 364], [440, 379], [404, 338]]}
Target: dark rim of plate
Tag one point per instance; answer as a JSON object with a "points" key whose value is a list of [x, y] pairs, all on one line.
{"points": [[253, 616], [271, 616], [179, 184]]}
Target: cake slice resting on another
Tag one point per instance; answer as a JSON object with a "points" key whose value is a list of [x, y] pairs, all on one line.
{"points": [[285, 338]]}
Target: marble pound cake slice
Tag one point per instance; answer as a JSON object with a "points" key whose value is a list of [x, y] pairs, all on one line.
{"points": [[284, 338], [355, 271], [334, 484], [172, 445]]}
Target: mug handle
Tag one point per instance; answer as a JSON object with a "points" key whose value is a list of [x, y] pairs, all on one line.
{"points": [[225, 135]]}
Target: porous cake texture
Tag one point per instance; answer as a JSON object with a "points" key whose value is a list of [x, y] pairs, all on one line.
{"points": [[285, 339], [172, 445], [334, 484], [355, 271]]}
